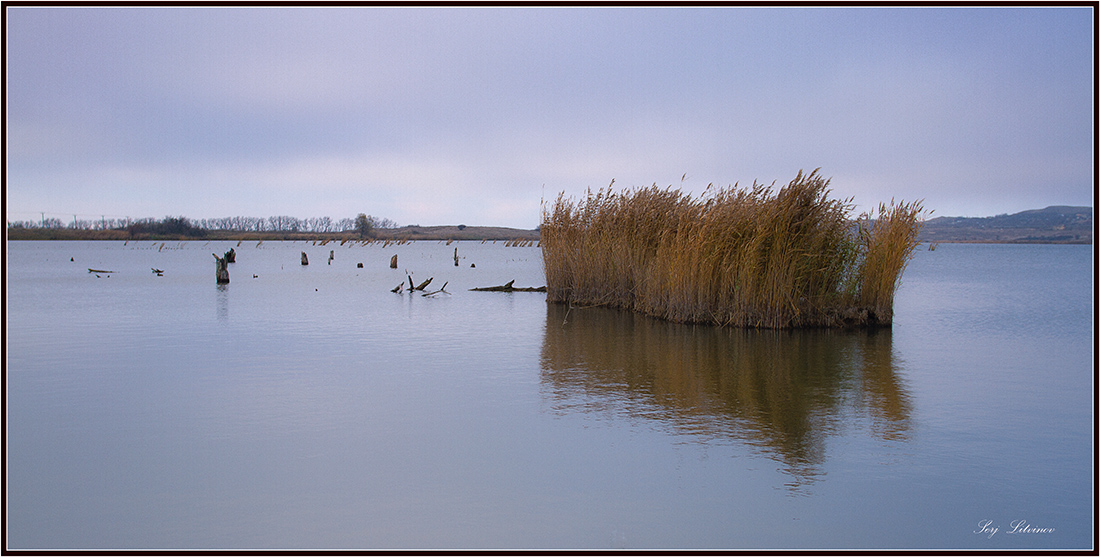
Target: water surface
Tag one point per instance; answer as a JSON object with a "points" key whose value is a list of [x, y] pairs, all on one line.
{"points": [[310, 407]]}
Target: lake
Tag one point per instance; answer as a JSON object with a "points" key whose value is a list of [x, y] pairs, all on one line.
{"points": [[309, 407]]}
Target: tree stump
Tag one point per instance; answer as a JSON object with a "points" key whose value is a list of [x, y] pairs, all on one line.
{"points": [[305, 260], [393, 261], [231, 256], [221, 271]]}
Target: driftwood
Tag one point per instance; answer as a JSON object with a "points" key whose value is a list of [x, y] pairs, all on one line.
{"points": [[507, 287], [305, 260], [100, 271], [331, 256], [421, 287], [456, 257], [159, 272], [393, 261], [221, 271], [442, 290]]}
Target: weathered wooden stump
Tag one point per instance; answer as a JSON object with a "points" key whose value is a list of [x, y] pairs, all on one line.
{"points": [[456, 257], [393, 261], [231, 256], [331, 256], [221, 270], [305, 260]]}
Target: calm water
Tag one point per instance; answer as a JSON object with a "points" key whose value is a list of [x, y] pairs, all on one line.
{"points": [[310, 407]]}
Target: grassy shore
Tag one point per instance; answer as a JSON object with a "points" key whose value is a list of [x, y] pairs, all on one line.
{"points": [[740, 257]]}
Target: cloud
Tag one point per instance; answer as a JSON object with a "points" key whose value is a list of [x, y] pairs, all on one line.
{"points": [[469, 115]]}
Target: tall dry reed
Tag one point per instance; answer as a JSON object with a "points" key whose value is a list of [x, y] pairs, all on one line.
{"points": [[887, 246], [742, 257]]}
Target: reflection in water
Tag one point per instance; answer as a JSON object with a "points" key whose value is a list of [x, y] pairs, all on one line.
{"points": [[783, 392], [223, 302]]}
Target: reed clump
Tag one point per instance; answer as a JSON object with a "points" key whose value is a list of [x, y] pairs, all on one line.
{"points": [[745, 257]]}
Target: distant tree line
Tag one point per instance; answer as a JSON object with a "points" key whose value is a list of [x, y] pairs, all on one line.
{"points": [[184, 226]]}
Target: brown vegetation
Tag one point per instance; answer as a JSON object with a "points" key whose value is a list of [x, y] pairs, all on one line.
{"points": [[741, 257]]}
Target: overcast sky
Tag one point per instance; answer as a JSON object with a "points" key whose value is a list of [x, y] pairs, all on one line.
{"points": [[455, 115]]}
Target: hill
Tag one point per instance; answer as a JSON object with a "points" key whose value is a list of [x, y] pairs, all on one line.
{"points": [[1057, 224]]}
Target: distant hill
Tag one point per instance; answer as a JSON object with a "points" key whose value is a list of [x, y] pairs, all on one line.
{"points": [[1057, 224]]}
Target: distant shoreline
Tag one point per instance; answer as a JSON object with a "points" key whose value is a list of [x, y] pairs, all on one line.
{"points": [[1012, 241], [1052, 225], [430, 234], [1057, 224], [407, 233]]}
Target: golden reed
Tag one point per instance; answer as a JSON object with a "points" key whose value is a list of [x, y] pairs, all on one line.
{"points": [[734, 256]]}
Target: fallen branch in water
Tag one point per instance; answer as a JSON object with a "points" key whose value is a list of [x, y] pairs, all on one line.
{"points": [[442, 289], [507, 287]]}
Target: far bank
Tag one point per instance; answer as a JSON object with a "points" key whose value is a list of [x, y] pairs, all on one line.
{"points": [[445, 232]]}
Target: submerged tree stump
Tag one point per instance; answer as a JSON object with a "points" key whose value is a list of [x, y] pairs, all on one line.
{"points": [[305, 260], [231, 256], [393, 261], [221, 270]]}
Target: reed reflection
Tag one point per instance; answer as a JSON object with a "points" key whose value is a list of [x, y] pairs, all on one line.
{"points": [[782, 391]]}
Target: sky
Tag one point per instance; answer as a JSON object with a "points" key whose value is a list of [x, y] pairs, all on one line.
{"points": [[482, 116]]}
